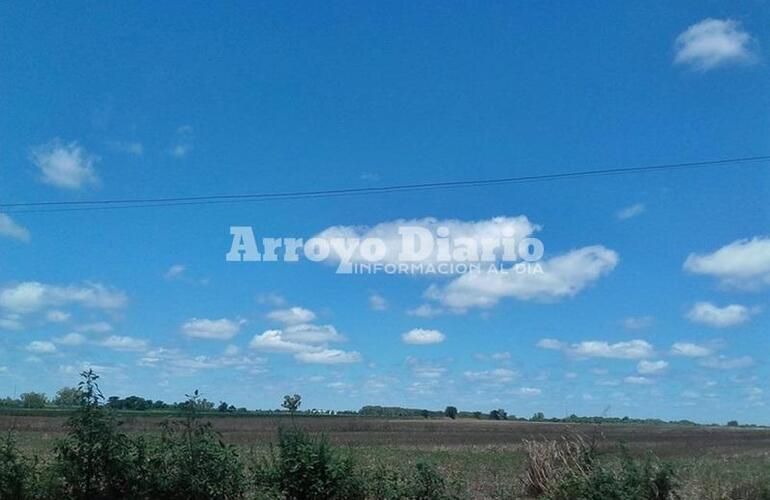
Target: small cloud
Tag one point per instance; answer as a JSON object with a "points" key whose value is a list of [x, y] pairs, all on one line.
{"points": [[271, 299], [743, 264], [529, 392], [551, 344], [370, 176], [41, 347], [377, 302], [98, 327], [638, 322], [56, 316], [425, 311], [120, 343], [631, 211], [635, 380], [651, 367], [500, 356], [328, 357], [174, 272], [690, 350], [71, 339], [708, 314], [183, 142], [127, 147], [712, 43], [218, 329], [725, 363], [632, 349], [292, 315], [419, 336], [499, 375], [232, 350], [66, 166], [11, 229]]}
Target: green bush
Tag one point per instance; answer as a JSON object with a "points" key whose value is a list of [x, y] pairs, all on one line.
{"points": [[304, 468]]}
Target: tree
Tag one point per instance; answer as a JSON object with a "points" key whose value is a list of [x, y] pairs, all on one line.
{"points": [[732, 423], [498, 414], [477, 414], [68, 396], [538, 417], [223, 407], [33, 400], [450, 412], [292, 403]]}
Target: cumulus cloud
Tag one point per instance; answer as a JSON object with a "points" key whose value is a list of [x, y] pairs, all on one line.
{"points": [[498, 375], [328, 357], [632, 349], [631, 211], [471, 231], [121, 343], [529, 392], [377, 302], [562, 277], [725, 363], [708, 314], [11, 229], [425, 311], [178, 362], [651, 367], [637, 322], [711, 43], [71, 339], [32, 296], [56, 316], [690, 350], [743, 264], [420, 336], [41, 347], [292, 315], [66, 166], [218, 329], [308, 343], [174, 272]]}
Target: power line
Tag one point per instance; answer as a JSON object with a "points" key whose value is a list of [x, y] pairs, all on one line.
{"points": [[115, 204]]}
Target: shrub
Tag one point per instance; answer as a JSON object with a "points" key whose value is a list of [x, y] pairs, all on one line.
{"points": [[304, 468], [17, 474]]}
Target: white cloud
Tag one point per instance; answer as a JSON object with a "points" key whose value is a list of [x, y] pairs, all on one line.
{"points": [[743, 264], [328, 357], [271, 298], [725, 363], [651, 367], [690, 350], [178, 362], [41, 347], [529, 392], [292, 315], [552, 344], [638, 322], [632, 349], [498, 227], [11, 229], [420, 336], [183, 142], [498, 375], [708, 314], [631, 211], [712, 43], [56, 316], [120, 343], [311, 334], [66, 166], [71, 339], [128, 147], [219, 329], [273, 341], [31, 296], [377, 302], [562, 277], [11, 322], [232, 350], [98, 327], [636, 380], [174, 272], [501, 356], [425, 311]]}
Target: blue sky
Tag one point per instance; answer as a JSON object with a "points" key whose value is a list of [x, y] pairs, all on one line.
{"points": [[657, 308]]}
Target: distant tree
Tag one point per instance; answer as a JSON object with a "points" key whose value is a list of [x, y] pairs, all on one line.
{"points": [[33, 400], [450, 412], [222, 407], [498, 414], [68, 396], [538, 417], [477, 414], [425, 413], [732, 423], [292, 403]]}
